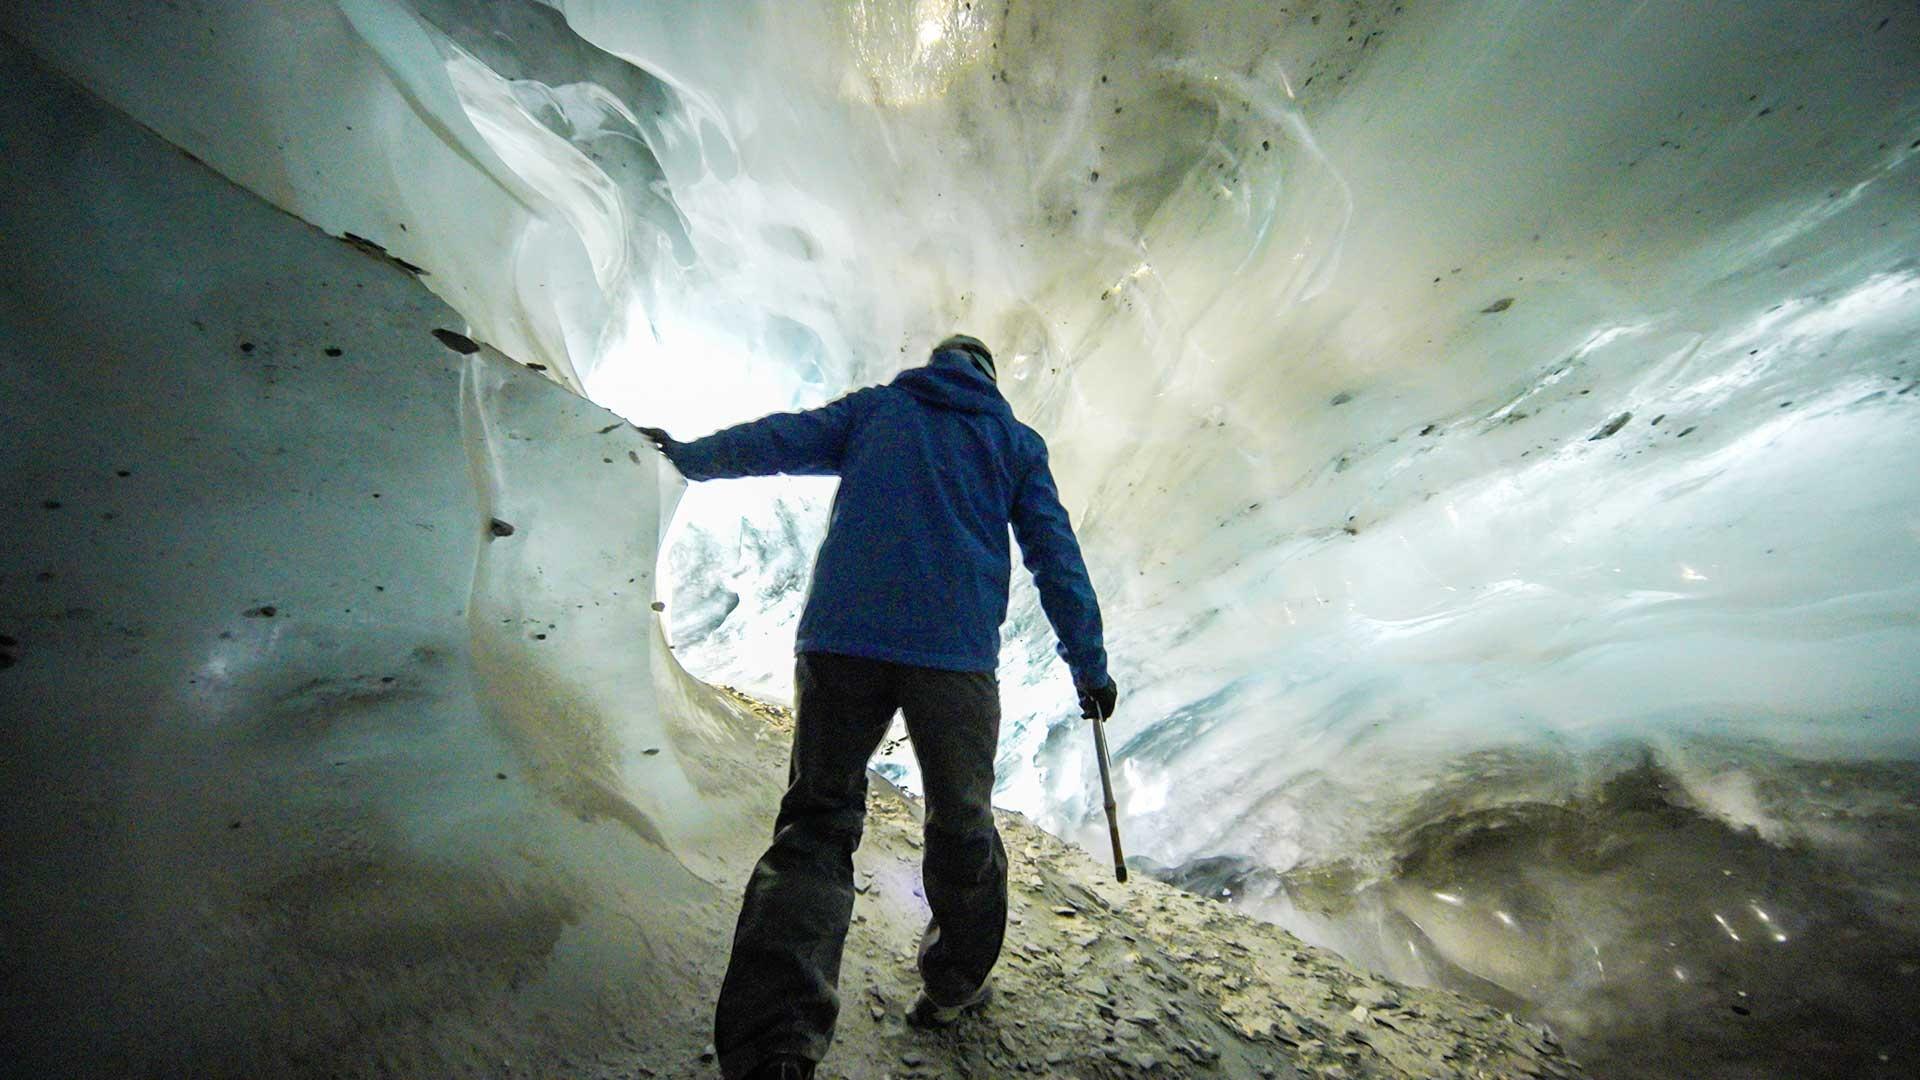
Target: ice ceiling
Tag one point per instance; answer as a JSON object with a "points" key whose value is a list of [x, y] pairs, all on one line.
{"points": [[1464, 405]]}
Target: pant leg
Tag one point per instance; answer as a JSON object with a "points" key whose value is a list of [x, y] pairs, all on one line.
{"points": [[780, 993], [953, 718]]}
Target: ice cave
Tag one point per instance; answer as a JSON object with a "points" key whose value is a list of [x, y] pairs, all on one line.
{"points": [[1493, 428]]}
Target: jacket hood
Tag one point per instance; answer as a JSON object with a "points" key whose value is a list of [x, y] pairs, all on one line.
{"points": [[950, 381]]}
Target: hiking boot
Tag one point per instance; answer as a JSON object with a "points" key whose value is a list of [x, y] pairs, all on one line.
{"points": [[783, 1067], [928, 1013]]}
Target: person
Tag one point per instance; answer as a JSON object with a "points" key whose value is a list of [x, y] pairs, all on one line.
{"points": [[909, 591]]}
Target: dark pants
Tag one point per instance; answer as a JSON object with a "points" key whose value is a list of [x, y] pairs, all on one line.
{"points": [[779, 995]]}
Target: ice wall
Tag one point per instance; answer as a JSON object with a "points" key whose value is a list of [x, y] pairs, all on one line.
{"points": [[310, 767], [1461, 401]]}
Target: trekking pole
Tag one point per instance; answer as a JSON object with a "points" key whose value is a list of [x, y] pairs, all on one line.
{"points": [[1106, 788]]}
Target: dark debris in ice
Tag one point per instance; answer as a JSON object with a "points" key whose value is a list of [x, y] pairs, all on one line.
{"points": [[1497, 306], [1611, 427], [264, 611], [499, 528], [380, 252], [459, 343]]}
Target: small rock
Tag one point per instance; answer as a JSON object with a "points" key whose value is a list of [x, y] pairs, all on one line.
{"points": [[264, 611], [1611, 427], [1065, 912], [499, 528], [707, 1051], [459, 343], [1497, 306], [659, 606], [1200, 1052], [1374, 997]]}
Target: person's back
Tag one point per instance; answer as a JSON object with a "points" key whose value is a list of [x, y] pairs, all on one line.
{"points": [[909, 591]]}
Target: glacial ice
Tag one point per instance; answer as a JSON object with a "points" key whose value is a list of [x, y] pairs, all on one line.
{"points": [[1464, 405]]}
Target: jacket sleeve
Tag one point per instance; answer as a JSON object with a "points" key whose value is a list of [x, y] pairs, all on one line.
{"points": [[809, 443], [1052, 555]]}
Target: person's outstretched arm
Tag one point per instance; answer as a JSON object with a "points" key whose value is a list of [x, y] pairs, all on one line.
{"points": [[1052, 555], [808, 443]]}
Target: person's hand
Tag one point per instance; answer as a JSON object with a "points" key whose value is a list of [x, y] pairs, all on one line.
{"points": [[1098, 701], [659, 438]]}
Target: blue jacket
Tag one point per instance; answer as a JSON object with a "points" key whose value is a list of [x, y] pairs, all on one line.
{"points": [[933, 468]]}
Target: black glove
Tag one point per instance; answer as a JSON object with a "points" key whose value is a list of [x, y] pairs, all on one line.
{"points": [[1099, 700], [661, 441]]}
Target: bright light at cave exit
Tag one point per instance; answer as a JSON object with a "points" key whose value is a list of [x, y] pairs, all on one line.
{"points": [[689, 376]]}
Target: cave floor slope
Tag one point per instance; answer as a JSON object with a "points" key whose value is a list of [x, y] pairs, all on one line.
{"points": [[1101, 979]]}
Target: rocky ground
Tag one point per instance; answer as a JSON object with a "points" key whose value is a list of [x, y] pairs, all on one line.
{"points": [[1106, 980]]}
